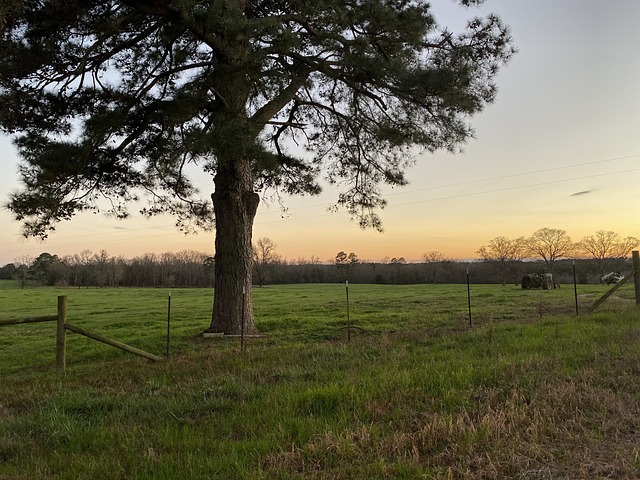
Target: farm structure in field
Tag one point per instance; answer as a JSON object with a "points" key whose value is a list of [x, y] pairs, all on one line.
{"points": [[539, 280], [611, 278]]}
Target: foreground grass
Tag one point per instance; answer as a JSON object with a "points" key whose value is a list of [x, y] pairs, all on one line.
{"points": [[530, 391]]}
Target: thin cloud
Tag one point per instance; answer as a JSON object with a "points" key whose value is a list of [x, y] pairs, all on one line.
{"points": [[578, 194]]}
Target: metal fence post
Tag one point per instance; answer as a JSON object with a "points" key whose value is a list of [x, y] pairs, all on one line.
{"points": [[168, 322], [636, 274], [348, 319], [469, 296], [575, 287]]}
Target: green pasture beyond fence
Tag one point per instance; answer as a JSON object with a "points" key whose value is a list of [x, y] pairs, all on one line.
{"points": [[62, 326]]}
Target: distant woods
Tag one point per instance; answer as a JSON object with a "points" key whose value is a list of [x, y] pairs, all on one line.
{"points": [[607, 251], [88, 269], [502, 260]]}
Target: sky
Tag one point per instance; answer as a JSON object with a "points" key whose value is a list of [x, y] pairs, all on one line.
{"points": [[559, 148]]}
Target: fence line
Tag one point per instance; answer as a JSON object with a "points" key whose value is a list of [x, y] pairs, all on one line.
{"points": [[18, 321], [62, 326]]}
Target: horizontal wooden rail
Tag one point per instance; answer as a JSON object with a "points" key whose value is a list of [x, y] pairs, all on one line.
{"points": [[18, 321], [113, 343]]}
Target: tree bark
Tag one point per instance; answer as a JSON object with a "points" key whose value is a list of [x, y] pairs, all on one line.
{"points": [[235, 205]]}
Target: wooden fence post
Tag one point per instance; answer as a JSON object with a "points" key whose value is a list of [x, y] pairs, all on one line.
{"points": [[636, 274], [60, 333]]}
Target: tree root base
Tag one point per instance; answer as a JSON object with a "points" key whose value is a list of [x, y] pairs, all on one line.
{"points": [[226, 335]]}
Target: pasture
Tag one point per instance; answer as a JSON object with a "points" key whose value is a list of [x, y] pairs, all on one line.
{"points": [[529, 391]]}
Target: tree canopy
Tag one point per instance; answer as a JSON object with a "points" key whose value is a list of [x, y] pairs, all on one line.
{"points": [[112, 101], [506, 254], [550, 244], [607, 247]]}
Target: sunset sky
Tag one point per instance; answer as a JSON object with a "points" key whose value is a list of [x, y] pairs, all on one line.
{"points": [[560, 148]]}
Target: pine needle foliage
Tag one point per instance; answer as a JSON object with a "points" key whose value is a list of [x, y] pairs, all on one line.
{"points": [[114, 101]]}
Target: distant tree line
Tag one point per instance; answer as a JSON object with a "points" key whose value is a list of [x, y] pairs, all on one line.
{"points": [[502, 260], [87, 269]]}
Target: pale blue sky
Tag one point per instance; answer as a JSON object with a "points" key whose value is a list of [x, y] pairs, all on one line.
{"points": [[565, 121]]}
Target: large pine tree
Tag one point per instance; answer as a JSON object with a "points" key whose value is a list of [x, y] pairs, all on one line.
{"points": [[115, 100]]}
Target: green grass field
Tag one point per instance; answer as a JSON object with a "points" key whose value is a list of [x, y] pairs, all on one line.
{"points": [[529, 391]]}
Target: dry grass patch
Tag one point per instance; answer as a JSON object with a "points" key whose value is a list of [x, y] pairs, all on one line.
{"points": [[567, 428]]}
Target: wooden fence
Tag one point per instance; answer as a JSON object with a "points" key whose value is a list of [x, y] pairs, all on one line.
{"points": [[62, 326], [634, 274]]}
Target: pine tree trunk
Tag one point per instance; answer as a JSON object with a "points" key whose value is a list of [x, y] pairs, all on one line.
{"points": [[235, 205]]}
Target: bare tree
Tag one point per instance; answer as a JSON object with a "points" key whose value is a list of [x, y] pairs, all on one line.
{"points": [[23, 264], [505, 254], [433, 261], [626, 246], [264, 256], [607, 248], [102, 269], [550, 244], [395, 266], [346, 262], [85, 261], [433, 256]]}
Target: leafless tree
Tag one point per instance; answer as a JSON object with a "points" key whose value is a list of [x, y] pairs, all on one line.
{"points": [[505, 254], [551, 244], [23, 263], [433, 261], [607, 248], [264, 256], [346, 262]]}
